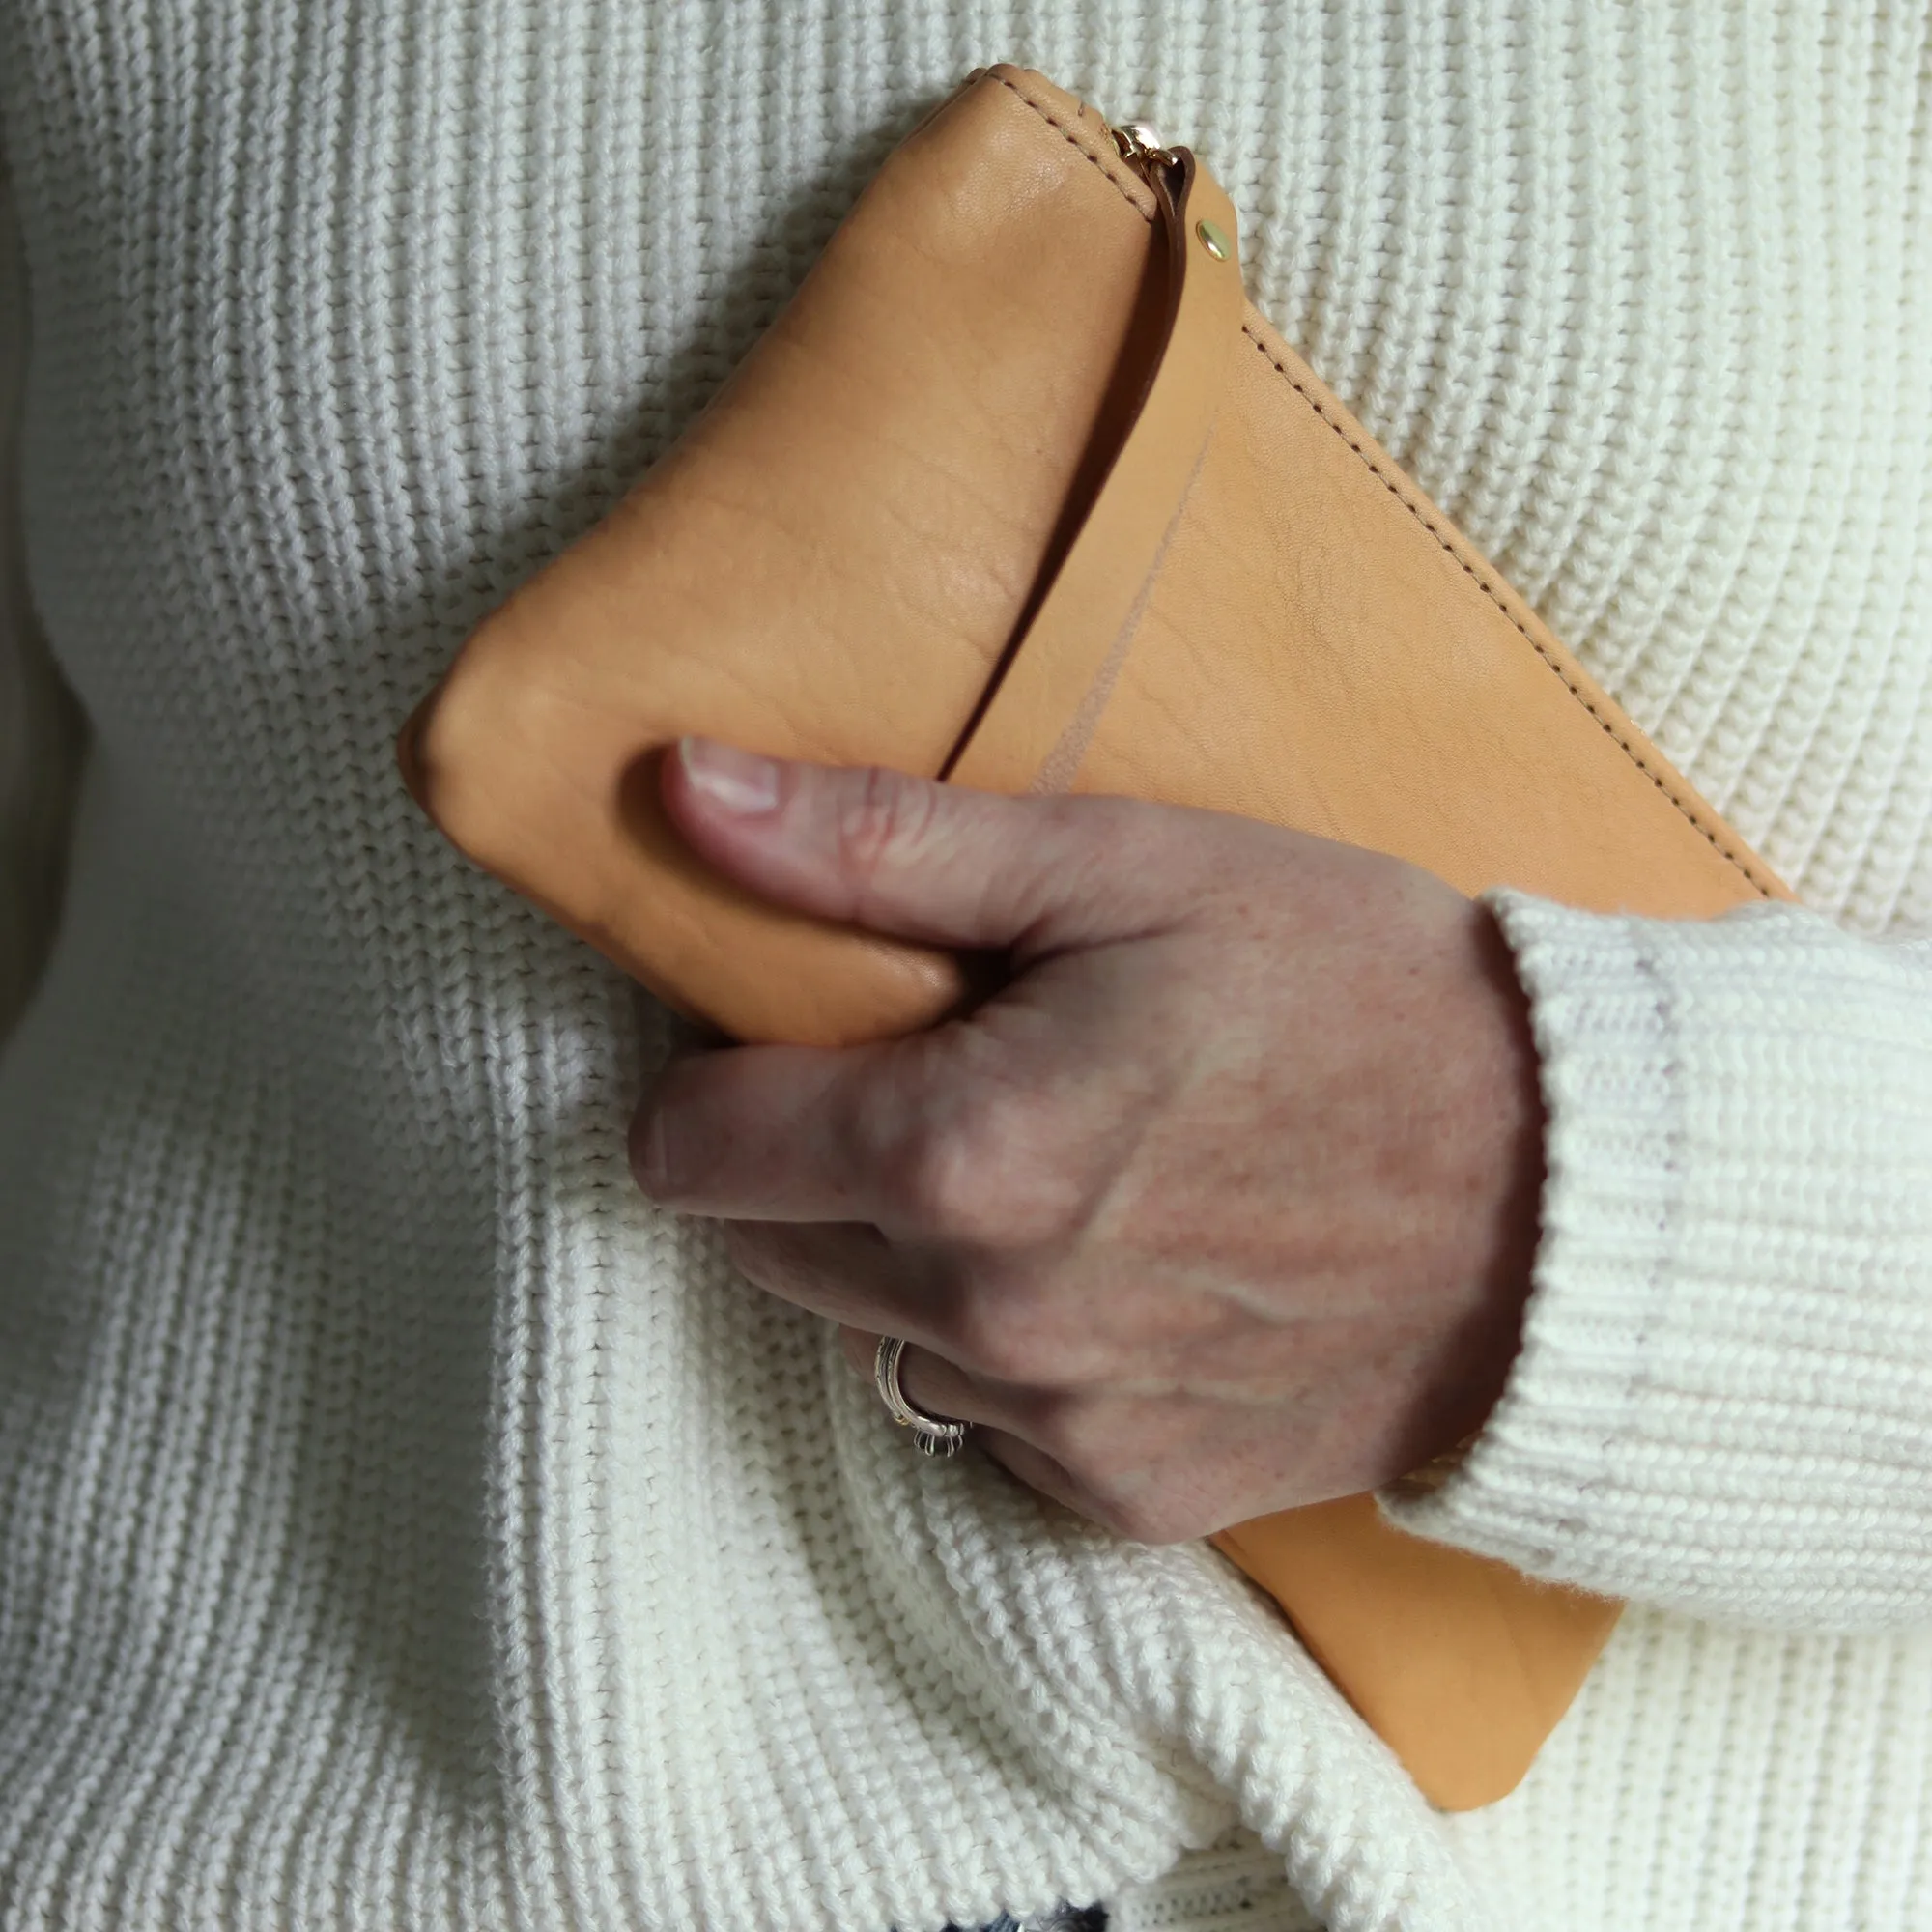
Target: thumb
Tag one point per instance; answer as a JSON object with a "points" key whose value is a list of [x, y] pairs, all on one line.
{"points": [[917, 859]]}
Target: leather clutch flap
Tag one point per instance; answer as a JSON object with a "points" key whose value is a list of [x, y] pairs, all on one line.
{"points": [[1020, 492]]}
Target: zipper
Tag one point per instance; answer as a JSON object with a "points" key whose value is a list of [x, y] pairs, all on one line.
{"points": [[1143, 149]]}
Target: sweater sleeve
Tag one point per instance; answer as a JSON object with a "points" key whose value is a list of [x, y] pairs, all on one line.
{"points": [[1722, 1402]]}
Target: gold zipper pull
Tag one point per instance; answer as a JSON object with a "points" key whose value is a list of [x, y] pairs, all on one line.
{"points": [[1141, 147]]}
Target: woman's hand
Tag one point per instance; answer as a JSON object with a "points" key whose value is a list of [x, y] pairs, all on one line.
{"points": [[1226, 1203]]}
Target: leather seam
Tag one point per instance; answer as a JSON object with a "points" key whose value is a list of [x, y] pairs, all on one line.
{"points": [[1449, 548], [1683, 805], [1078, 144]]}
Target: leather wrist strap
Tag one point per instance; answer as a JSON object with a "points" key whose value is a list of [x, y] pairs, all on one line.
{"points": [[965, 457], [1032, 731]]}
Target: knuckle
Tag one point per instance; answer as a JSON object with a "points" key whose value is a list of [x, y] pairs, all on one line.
{"points": [[1001, 1179], [883, 817], [938, 1180], [1037, 1156], [965, 1179]]}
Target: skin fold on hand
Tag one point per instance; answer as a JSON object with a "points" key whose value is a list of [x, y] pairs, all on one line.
{"points": [[1226, 1201]]}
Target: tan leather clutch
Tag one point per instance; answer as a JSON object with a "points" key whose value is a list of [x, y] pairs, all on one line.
{"points": [[1019, 492]]}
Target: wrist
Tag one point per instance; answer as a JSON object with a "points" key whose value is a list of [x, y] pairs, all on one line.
{"points": [[1507, 1105]]}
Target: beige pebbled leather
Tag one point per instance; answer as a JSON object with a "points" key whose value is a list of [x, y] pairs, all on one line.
{"points": [[1018, 491]]}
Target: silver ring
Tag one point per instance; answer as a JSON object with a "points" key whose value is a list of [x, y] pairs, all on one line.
{"points": [[935, 1435]]}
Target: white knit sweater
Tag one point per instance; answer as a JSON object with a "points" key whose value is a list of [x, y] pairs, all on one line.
{"points": [[404, 1525]]}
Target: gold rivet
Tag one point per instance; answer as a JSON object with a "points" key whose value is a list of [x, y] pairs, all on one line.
{"points": [[1214, 239]]}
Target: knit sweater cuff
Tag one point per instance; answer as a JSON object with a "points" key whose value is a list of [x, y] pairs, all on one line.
{"points": [[1723, 1397]]}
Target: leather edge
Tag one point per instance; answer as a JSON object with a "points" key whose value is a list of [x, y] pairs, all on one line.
{"points": [[1608, 716]]}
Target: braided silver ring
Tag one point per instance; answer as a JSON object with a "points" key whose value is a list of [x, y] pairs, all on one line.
{"points": [[935, 1435]]}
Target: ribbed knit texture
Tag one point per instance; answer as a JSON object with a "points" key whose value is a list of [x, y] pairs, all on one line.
{"points": [[1235, 1887], [401, 1525], [1724, 1401]]}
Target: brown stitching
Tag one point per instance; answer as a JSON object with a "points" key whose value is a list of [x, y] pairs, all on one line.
{"points": [[1078, 145], [1570, 684], [1609, 731]]}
